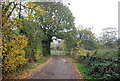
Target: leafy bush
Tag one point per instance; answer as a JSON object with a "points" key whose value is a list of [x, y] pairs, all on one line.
{"points": [[13, 46], [98, 67]]}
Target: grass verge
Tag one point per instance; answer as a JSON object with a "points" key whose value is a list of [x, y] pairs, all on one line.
{"points": [[38, 62], [84, 71]]}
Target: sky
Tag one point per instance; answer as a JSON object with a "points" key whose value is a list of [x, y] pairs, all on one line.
{"points": [[96, 14]]}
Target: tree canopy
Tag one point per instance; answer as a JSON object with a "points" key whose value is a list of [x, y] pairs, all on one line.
{"points": [[58, 20]]}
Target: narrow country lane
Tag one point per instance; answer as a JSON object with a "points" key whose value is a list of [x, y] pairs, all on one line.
{"points": [[58, 68]]}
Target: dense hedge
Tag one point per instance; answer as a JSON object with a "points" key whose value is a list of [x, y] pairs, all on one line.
{"points": [[100, 68]]}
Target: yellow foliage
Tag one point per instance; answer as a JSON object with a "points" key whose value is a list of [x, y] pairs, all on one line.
{"points": [[82, 51], [13, 46], [33, 7], [30, 4], [13, 42], [41, 11]]}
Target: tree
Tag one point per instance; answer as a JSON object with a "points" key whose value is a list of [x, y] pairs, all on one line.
{"points": [[58, 19], [62, 45], [108, 37], [35, 37], [32, 31], [86, 39]]}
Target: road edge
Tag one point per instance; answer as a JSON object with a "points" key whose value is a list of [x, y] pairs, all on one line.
{"points": [[75, 68], [39, 67]]}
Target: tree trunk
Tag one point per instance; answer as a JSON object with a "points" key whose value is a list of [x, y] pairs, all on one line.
{"points": [[46, 47]]}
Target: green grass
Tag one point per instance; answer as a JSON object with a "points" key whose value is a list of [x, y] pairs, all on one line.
{"points": [[84, 71], [33, 65], [30, 66], [42, 60]]}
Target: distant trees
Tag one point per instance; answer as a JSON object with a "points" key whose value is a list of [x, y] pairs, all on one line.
{"points": [[109, 37], [118, 44], [86, 39], [62, 45]]}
